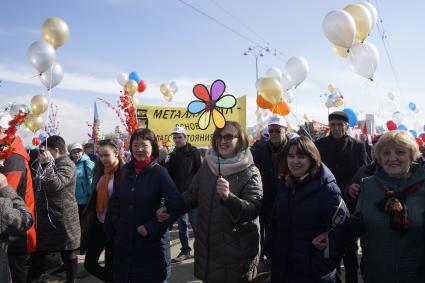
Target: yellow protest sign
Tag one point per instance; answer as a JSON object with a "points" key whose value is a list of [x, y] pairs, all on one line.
{"points": [[163, 119]]}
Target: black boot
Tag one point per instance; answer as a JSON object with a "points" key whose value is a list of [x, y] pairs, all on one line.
{"points": [[71, 270]]}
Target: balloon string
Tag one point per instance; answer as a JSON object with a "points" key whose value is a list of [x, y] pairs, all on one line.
{"points": [[49, 92]]}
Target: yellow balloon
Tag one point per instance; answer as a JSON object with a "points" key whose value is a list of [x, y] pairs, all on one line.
{"points": [[341, 51], [164, 89], [331, 88], [55, 31], [363, 20], [39, 104], [34, 122], [131, 87], [270, 89]]}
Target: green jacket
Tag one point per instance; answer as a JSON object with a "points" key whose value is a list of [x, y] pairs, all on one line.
{"points": [[387, 256]]}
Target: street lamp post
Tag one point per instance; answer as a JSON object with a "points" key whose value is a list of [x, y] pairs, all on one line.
{"points": [[257, 51]]}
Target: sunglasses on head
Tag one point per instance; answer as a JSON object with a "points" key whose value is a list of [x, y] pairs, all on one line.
{"points": [[108, 142]]}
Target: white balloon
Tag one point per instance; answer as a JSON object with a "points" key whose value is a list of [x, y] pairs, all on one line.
{"points": [[416, 110], [372, 10], [397, 118], [297, 68], [122, 78], [339, 28], [288, 96], [257, 83], [274, 73], [286, 82], [53, 76], [391, 96], [364, 59], [417, 127], [41, 55], [173, 87]]}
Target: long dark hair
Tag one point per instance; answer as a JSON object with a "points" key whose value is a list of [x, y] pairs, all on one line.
{"points": [[98, 167]]}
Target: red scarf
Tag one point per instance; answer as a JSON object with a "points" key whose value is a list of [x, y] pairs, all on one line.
{"points": [[140, 165]]}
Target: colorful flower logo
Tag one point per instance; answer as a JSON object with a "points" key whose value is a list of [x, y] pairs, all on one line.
{"points": [[210, 103]]}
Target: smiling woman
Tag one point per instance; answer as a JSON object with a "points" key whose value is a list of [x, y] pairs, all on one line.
{"points": [[390, 211]]}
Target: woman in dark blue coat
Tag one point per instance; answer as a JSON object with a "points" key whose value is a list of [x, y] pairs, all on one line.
{"points": [[308, 214], [141, 243]]}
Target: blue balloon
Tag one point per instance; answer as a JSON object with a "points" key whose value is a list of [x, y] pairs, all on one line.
{"points": [[412, 106], [414, 133], [135, 76], [352, 118], [402, 127]]}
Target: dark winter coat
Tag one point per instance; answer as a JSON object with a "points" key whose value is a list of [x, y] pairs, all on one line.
{"points": [[18, 176], [227, 235], [89, 217], [14, 217], [58, 224], [262, 155], [299, 215], [342, 156], [138, 258], [183, 164]]}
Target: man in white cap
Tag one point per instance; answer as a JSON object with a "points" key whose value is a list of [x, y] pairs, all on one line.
{"points": [[268, 157], [182, 165], [84, 167]]}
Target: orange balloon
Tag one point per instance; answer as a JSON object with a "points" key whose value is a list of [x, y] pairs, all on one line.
{"points": [[282, 108], [262, 103]]}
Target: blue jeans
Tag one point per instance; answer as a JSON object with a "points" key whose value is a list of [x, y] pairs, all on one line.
{"points": [[183, 222]]}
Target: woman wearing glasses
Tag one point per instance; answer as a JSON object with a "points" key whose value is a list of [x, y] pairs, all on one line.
{"points": [[308, 213], [227, 191], [141, 244], [105, 181]]}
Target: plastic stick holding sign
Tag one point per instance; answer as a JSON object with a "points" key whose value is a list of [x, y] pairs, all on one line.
{"points": [[162, 120]]}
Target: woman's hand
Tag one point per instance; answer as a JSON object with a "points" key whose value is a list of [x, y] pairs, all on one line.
{"points": [[321, 241], [222, 188], [161, 214], [142, 230]]}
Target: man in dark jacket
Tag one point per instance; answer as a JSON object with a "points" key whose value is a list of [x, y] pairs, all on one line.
{"points": [[268, 157], [343, 155], [18, 175], [182, 165]]}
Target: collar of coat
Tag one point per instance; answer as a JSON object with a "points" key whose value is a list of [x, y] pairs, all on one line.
{"points": [[229, 169]]}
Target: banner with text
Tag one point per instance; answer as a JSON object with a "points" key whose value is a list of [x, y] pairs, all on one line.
{"points": [[163, 119]]}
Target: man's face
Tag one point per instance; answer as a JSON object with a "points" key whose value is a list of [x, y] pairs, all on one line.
{"points": [[76, 154], [277, 134], [179, 140], [338, 128]]}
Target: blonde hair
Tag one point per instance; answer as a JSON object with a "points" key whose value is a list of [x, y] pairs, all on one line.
{"points": [[400, 138]]}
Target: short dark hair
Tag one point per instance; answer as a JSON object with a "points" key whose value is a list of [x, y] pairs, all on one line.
{"points": [[242, 136], [56, 142], [88, 145], [305, 147], [145, 134]]}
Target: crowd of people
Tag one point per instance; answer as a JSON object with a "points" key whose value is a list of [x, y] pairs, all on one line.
{"points": [[287, 206]]}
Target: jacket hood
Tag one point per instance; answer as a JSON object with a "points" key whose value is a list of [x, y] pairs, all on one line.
{"points": [[83, 158], [19, 148], [326, 175]]}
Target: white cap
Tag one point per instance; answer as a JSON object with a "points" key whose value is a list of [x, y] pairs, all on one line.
{"points": [[277, 120], [179, 130], [76, 146], [4, 121]]}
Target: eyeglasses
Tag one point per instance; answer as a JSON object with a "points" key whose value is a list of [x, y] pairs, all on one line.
{"points": [[226, 137]]}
